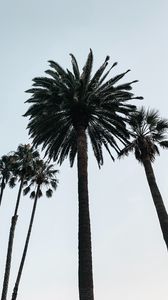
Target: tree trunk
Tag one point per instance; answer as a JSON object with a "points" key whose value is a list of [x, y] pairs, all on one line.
{"points": [[15, 290], [157, 198], [2, 188], [10, 246], [84, 234]]}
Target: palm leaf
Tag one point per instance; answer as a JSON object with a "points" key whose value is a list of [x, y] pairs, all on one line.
{"points": [[164, 144], [33, 194], [85, 76], [75, 66], [12, 182], [26, 190], [49, 193], [126, 150]]}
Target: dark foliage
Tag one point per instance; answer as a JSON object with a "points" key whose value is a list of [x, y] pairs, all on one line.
{"points": [[66, 100]]}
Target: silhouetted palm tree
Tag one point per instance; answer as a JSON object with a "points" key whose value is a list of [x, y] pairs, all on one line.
{"points": [[24, 157], [6, 175], [44, 175], [149, 131], [67, 107]]}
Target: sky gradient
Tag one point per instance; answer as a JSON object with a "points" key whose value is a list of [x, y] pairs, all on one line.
{"points": [[129, 256]]}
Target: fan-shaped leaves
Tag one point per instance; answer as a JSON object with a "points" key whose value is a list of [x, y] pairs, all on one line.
{"points": [[44, 175], [148, 130]]}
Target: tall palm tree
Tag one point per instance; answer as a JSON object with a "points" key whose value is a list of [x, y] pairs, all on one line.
{"points": [[44, 175], [149, 131], [6, 176], [24, 157], [66, 108]]}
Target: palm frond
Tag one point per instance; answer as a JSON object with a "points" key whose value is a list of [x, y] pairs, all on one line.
{"points": [[86, 74], [26, 190], [96, 78], [49, 193], [75, 66], [40, 194], [54, 184], [61, 72], [126, 150], [32, 194], [162, 126], [164, 144], [12, 182], [152, 117]]}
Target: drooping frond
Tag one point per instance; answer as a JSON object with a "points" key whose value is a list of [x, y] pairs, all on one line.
{"points": [[164, 144], [32, 195], [26, 190], [126, 150], [12, 182], [49, 193], [162, 126]]}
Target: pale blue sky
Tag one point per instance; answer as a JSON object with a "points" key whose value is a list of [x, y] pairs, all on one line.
{"points": [[129, 256]]}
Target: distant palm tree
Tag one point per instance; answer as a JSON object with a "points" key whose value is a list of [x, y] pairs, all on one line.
{"points": [[44, 175], [24, 157], [6, 175], [149, 131], [65, 109]]}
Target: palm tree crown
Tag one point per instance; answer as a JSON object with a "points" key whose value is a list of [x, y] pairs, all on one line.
{"points": [[44, 175], [5, 169], [7, 163], [148, 131], [25, 155], [66, 101]]}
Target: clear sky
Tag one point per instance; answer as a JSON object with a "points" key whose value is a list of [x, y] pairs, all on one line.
{"points": [[129, 256]]}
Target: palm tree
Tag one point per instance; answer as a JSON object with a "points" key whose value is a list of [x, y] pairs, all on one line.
{"points": [[66, 108], [24, 157], [44, 175], [6, 168], [149, 131]]}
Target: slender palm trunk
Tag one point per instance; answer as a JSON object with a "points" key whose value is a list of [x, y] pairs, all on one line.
{"points": [[84, 234], [157, 198], [10, 246], [15, 290], [2, 188]]}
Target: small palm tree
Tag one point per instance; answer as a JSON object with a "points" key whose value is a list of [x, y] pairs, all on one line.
{"points": [[6, 175], [44, 175], [24, 157], [66, 108], [149, 131]]}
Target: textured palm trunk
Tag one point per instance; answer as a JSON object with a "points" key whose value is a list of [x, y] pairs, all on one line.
{"points": [[15, 290], [84, 234], [2, 188], [157, 198], [10, 246]]}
